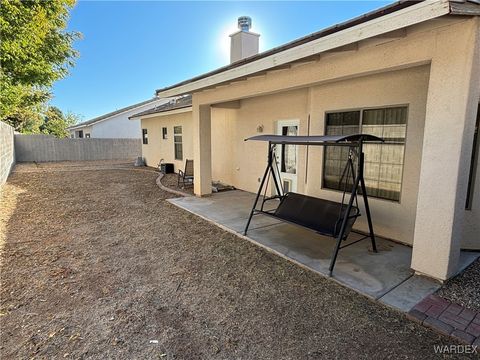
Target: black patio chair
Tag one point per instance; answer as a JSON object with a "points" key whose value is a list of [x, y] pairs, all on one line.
{"points": [[186, 177]]}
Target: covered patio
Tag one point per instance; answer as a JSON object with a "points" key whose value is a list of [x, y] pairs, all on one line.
{"points": [[385, 276]]}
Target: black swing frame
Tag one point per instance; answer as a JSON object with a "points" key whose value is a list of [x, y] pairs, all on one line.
{"points": [[355, 144]]}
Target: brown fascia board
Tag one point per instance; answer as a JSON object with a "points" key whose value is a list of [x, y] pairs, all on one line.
{"points": [[328, 31]]}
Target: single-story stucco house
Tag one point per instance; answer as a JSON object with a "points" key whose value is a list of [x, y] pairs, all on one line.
{"points": [[409, 72], [116, 124]]}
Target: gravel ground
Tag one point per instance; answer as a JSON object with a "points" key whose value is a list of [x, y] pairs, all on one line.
{"points": [[465, 288], [95, 264]]}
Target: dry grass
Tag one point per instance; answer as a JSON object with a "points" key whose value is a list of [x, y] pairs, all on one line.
{"points": [[96, 264]]}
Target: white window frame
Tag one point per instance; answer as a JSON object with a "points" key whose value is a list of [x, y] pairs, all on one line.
{"points": [[175, 143]]}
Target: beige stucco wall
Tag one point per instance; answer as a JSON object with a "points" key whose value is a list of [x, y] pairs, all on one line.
{"points": [[224, 135], [448, 47], [430, 69], [453, 93], [394, 220], [158, 148], [248, 159], [243, 166]]}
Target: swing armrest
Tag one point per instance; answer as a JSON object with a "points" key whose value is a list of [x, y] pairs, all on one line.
{"points": [[268, 199], [350, 221]]}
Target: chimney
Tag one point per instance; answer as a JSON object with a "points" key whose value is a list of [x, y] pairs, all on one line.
{"points": [[243, 43]]}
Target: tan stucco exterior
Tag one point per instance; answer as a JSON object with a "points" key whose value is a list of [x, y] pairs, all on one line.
{"points": [[243, 171], [158, 148], [433, 68]]}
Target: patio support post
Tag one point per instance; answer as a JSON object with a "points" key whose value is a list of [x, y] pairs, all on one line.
{"points": [[202, 149], [453, 93]]}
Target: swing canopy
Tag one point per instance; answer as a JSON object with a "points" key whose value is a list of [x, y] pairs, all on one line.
{"points": [[322, 140]]}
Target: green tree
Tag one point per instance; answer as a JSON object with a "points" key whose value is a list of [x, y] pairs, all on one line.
{"points": [[27, 120], [56, 123], [35, 51]]}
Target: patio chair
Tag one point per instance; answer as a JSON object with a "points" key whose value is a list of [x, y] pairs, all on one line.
{"points": [[186, 177]]}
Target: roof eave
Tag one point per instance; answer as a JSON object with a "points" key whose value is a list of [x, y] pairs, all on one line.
{"points": [[407, 16], [178, 110]]}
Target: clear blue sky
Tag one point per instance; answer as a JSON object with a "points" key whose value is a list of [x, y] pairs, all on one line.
{"points": [[131, 48]]}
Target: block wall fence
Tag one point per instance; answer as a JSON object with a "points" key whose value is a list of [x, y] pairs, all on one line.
{"points": [[7, 151], [43, 148]]}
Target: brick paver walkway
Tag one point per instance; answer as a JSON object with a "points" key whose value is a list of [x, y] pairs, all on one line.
{"points": [[448, 318]]}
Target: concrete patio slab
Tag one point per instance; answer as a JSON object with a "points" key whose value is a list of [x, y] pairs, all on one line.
{"points": [[413, 290], [384, 276]]}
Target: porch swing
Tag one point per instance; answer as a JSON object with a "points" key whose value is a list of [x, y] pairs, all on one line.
{"points": [[325, 217]]}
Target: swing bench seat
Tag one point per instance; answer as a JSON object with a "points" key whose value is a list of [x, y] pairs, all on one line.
{"points": [[322, 216]]}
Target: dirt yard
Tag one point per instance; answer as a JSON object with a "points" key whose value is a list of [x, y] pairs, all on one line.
{"points": [[95, 264]]}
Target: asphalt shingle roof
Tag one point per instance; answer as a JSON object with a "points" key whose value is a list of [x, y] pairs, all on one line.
{"points": [[174, 104]]}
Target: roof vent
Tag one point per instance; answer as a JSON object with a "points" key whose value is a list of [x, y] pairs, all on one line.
{"points": [[244, 23]]}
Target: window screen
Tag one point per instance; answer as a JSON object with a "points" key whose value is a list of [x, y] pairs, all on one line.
{"points": [[177, 141], [344, 123], [383, 162]]}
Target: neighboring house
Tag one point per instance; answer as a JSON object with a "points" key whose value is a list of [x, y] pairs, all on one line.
{"points": [[114, 124], [409, 72]]}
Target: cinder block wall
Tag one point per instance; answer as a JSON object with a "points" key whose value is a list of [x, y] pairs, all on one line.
{"points": [[7, 151], [43, 148]]}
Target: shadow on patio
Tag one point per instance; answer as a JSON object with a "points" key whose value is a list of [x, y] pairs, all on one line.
{"points": [[385, 276]]}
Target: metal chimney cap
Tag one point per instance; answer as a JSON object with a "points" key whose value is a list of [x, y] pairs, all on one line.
{"points": [[244, 23]]}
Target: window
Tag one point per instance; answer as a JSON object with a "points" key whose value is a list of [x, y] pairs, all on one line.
{"points": [[473, 164], [383, 162], [177, 142], [80, 134], [145, 136], [164, 133], [87, 136]]}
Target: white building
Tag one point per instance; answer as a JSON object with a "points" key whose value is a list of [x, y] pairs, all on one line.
{"points": [[115, 124]]}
